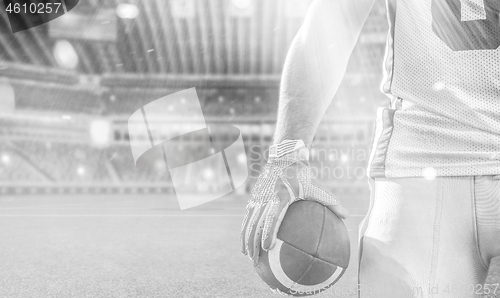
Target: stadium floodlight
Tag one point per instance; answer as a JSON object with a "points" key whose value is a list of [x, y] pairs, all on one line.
{"points": [[5, 158], [65, 55], [241, 8], [100, 132], [80, 170], [208, 174], [429, 173], [127, 11], [242, 159], [241, 4]]}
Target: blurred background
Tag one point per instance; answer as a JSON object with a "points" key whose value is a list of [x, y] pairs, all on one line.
{"points": [[68, 87]]}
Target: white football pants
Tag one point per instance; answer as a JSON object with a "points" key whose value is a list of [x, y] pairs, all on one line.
{"points": [[430, 238]]}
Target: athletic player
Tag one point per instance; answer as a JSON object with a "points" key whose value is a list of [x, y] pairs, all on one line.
{"points": [[433, 226]]}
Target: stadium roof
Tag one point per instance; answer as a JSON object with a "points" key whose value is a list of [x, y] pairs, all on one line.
{"points": [[189, 37]]}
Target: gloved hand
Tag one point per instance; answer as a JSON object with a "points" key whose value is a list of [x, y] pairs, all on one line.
{"points": [[285, 179]]}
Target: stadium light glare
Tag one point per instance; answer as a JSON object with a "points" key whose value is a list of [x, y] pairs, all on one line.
{"points": [[65, 55], [160, 166], [241, 4], [100, 131], [439, 86], [5, 158], [127, 11], [80, 170], [242, 158], [429, 173], [208, 174]]}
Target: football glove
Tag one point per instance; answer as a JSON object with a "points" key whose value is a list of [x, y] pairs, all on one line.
{"points": [[285, 179]]}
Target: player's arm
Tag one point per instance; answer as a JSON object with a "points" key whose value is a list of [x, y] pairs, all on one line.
{"points": [[313, 71], [315, 65]]}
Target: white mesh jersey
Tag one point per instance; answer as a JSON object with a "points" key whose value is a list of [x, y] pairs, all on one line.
{"points": [[442, 69]]}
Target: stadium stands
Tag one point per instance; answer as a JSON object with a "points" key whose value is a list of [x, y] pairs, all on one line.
{"points": [[339, 154], [46, 145]]}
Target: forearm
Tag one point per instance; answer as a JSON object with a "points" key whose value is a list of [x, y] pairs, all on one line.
{"points": [[314, 68], [308, 85]]}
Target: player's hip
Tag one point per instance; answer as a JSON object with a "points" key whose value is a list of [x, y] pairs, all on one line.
{"points": [[429, 238]]}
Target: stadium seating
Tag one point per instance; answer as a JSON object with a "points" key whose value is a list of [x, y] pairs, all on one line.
{"points": [[339, 154]]}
